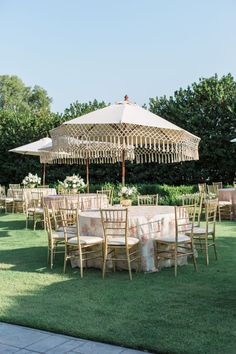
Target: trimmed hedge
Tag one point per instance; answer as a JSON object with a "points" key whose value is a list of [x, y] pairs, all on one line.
{"points": [[168, 195]]}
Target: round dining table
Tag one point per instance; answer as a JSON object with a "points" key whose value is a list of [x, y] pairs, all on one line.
{"points": [[142, 223]]}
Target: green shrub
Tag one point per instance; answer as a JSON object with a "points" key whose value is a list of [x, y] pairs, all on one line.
{"points": [[168, 195]]}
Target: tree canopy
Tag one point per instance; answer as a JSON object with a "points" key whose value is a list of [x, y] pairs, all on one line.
{"points": [[208, 110]]}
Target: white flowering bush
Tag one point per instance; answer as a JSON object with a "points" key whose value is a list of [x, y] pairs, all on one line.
{"points": [[73, 182], [31, 180], [127, 192]]}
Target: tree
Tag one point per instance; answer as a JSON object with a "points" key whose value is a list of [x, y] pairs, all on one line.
{"points": [[24, 117], [77, 109], [208, 110]]}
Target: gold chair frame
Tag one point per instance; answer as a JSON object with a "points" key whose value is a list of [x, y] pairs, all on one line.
{"points": [[180, 244], [116, 229], [148, 199]]}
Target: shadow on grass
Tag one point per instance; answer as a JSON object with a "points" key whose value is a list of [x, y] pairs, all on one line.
{"points": [[12, 224]]}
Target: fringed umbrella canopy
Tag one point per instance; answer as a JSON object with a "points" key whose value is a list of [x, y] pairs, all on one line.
{"points": [[34, 149], [124, 126]]}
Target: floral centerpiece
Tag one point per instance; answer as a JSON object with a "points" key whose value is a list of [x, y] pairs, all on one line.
{"points": [[31, 180], [126, 195], [73, 183]]}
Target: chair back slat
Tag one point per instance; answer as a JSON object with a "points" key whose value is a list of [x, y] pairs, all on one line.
{"points": [[184, 219], [115, 222], [148, 199]]}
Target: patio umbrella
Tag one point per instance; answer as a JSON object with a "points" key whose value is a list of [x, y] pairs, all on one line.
{"points": [[125, 126], [34, 149], [233, 140]]}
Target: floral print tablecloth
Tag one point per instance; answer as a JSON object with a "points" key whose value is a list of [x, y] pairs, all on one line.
{"points": [[141, 225]]}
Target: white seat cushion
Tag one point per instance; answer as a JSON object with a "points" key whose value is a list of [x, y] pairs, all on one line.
{"points": [[35, 210], [58, 235], [8, 200], [171, 238], [120, 241], [224, 202], [85, 240], [201, 230], [70, 230]]}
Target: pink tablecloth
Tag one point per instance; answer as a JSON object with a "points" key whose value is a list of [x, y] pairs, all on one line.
{"points": [[141, 224], [229, 195]]}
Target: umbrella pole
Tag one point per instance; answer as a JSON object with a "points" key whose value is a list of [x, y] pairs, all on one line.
{"points": [[43, 173], [123, 167], [87, 174]]}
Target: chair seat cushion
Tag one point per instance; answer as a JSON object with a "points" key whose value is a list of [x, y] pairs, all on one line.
{"points": [[120, 241], [36, 210], [201, 231], [224, 202], [58, 235], [8, 200], [85, 240], [171, 238], [70, 230]]}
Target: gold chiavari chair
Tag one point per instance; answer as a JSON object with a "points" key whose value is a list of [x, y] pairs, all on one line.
{"points": [[6, 203], [148, 199], [197, 200], [103, 198], [18, 200], [14, 186], [202, 187], [109, 195], [204, 237], [81, 248], [118, 245], [181, 243], [224, 206], [34, 209], [218, 184], [56, 239]]}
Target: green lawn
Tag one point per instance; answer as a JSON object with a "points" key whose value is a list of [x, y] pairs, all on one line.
{"points": [[195, 313]]}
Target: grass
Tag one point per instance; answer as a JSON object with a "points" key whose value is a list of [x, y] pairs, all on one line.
{"points": [[195, 313]]}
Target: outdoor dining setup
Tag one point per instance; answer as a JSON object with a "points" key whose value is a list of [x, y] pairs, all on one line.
{"points": [[92, 232]]}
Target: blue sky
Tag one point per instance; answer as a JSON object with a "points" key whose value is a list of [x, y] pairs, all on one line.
{"points": [[103, 49]]}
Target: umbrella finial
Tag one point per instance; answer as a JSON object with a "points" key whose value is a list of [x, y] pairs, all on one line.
{"points": [[126, 98]]}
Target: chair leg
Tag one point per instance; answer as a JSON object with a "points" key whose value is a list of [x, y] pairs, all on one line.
{"points": [[176, 264], [194, 258], [65, 262], [81, 262], [129, 265], [214, 246], [219, 213], [206, 250], [104, 260], [35, 222], [51, 257]]}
